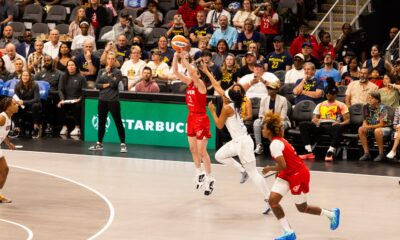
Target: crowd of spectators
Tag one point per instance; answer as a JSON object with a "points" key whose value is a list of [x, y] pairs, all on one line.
{"points": [[248, 44]]}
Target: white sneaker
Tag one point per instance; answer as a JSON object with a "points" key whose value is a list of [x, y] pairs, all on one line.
{"points": [[259, 149], [75, 132], [244, 177], [123, 148], [64, 131], [209, 186], [200, 180], [391, 155]]}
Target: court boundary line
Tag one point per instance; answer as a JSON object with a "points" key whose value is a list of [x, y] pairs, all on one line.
{"points": [[105, 199], [130, 158], [28, 230]]}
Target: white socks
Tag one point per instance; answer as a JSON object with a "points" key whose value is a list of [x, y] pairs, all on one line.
{"points": [[308, 148], [198, 171], [331, 149], [285, 224], [327, 213]]}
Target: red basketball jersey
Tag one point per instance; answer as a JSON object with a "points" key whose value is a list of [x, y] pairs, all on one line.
{"points": [[195, 100], [293, 162]]}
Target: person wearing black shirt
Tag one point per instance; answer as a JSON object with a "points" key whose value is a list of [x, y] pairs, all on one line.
{"points": [[201, 30], [251, 58], [87, 63], [107, 82], [70, 94]]}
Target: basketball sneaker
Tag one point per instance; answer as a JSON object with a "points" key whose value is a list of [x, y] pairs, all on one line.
{"points": [[329, 156], [123, 148], [244, 177], [96, 147], [336, 219], [307, 156], [209, 186], [200, 180], [259, 149], [3, 199], [287, 236]]}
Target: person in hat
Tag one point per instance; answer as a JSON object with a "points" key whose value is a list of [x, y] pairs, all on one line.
{"points": [[329, 117], [376, 123], [159, 68], [128, 27], [272, 102], [297, 71], [249, 35], [77, 42], [304, 37], [328, 71], [279, 59], [248, 68], [307, 50]]}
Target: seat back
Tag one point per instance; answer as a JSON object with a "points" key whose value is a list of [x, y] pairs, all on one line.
{"points": [[73, 14], [33, 12], [356, 114], [155, 35], [178, 87], [255, 106], [168, 18], [303, 111], [287, 91], [281, 76], [57, 13], [18, 28], [63, 28], [341, 96], [104, 30]]}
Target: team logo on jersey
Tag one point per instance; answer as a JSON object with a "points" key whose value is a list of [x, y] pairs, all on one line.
{"points": [[296, 188], [95, 122]]}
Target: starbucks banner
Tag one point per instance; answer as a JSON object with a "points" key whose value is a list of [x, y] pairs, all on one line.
{"points": [[147, 123]]}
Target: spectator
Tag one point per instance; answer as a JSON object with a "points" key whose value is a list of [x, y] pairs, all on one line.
{"points": [[328, 71], [201, 31], [329, 117], [300, 40], [389, 93], [74, 28], [279, 59], [256, 83], [229, 72], [133, 68], [309, 88], [346, 61], [269, 23], [88, 63], [396, 127], [36, 59], [122, 49], [135, 4], [297, 72], [359, 91], [8, 33], [212, 68], [167, 54], [189, 12], [376, 123], [325, 47], [392, 33], [253, 48], [137, 41], [306, 50], [375, 78], [349, 41], [53, 46], [248, 68], [51, 75], [147, 83], [377, 62], [213, 16], [127, 27], [110, 47], [64, 55], [351, 72], [158, 68], [150, 18], [78, 40], [4, 74], [26, 47], [7, 12], [11, 56], [98, 16], [70, 95], [178, 27], [272, 102], [243, 14], [222, 51], [27, 91], [224, 32], [19, 69], [202, 44], [249, 35]]}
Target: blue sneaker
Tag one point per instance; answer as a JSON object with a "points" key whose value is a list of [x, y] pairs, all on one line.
{"points": [[287, 236], [336, 219]]}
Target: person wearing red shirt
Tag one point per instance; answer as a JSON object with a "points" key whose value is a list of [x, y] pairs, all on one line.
{"points": [[189, 12], [292, 175], [303, 37], [325, 47]]}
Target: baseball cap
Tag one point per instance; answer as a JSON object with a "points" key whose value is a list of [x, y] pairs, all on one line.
{"points": [[306, 44], [251, 53], [278, 38], [299, 55], [258, 64], [274, 85]]}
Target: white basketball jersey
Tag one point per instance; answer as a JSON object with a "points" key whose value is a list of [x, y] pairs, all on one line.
{"points": [[235, 124], [5, 128]]}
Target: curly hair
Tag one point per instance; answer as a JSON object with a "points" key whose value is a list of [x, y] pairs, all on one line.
{"points": [[273, 123], [5, 103]]}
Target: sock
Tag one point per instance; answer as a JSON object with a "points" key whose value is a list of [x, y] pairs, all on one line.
{"points": [[327, 213], [198, 171], [285, 224], [308, 148], [331, 149]]}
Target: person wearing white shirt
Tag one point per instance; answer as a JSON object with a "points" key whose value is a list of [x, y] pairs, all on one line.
{"points": [[11, 56], [159, 69], [257, 81], [151, 17], [297, 72], [214, 15], [133, 68], [52, 47], [78, 41]]}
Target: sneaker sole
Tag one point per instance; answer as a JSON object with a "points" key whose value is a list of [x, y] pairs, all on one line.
{"points": [[208, 192], [337, 214]]}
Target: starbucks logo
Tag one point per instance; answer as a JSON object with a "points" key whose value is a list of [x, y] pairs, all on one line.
{"points": [[95, 122]]}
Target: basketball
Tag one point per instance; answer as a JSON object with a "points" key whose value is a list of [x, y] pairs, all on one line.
{"points": [[179, 42]]}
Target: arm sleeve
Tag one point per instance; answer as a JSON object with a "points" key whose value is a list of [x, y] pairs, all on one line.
{"points": [[276, 148]]}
